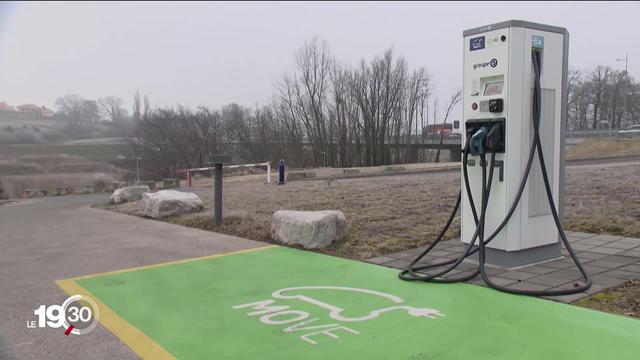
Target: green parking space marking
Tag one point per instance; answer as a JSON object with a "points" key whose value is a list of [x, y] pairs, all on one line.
{"points": [[282, 303]]}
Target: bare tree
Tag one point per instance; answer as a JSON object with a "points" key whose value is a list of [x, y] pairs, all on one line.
{"points": [[603, 94], [599, 79], [72, 109], [136, 107], [169, 138], [76, 110], [147, 107], [453, 101], [111, 109], [310, 90]]}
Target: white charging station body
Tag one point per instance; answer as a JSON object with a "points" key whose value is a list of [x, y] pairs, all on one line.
{"points": [[497, 65]]}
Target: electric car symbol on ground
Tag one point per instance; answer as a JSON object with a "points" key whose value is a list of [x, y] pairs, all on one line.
{"points": [[335, 312]]}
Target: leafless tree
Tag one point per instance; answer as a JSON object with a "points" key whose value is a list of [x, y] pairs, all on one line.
{"points": [[147, 107], [453, 101], [603, 94], [136, 107], [178, 137], [111, 109], [599, 79], [77, 110]]}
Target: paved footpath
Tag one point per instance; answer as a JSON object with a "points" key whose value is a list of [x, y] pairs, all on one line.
{"points": [[43, 240]]}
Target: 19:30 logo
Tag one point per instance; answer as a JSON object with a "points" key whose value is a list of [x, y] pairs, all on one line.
{"points": [[77, 315]]}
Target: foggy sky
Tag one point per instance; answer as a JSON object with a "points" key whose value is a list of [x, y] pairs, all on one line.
{"points": [[217, 53]]}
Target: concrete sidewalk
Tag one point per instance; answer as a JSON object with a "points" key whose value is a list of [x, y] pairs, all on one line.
{"points": [[48, 239]]}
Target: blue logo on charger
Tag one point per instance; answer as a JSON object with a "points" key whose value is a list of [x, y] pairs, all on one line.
{"points": [[476, 43], [537, 42]]}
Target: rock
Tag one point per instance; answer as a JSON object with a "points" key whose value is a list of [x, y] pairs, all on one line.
{"points": [[169, 203], [311, 229], [129, 193]]}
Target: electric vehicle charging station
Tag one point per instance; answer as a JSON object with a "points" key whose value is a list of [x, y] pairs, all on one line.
{"points": [[497, 89], [514, 107]]}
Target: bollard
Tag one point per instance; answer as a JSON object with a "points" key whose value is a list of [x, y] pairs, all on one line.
{"points": [[281, 172], [217, 212], [218, 161]]}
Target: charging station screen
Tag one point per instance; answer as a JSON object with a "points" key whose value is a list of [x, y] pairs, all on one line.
{"points": [[493, 88]]}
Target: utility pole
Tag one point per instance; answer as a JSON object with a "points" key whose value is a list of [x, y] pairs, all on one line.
{"points": [[624, 95], [626, 62]]}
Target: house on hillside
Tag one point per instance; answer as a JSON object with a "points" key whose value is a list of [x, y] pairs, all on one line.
{"points": [[35, 110], [6, 107]]}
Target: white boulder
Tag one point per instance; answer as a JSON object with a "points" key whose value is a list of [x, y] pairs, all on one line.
{"points": [[129, 193], [311, 229], [169, 203]]}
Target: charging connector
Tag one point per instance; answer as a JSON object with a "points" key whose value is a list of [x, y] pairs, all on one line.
{"points": [[478, 142]]}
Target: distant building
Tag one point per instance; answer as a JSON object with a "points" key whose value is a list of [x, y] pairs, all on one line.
{"points": [[437, 129], [39, 111], [29, 108], [6, 107]]}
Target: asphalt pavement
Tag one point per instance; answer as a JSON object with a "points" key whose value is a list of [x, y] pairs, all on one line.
{"points": [[47, 239]]}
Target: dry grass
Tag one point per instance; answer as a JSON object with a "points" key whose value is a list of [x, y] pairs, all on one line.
{"points": [[603, 200], [596, 148], [385, 214], [15, 185], [45, 172], [623, 300], [395, 213]]}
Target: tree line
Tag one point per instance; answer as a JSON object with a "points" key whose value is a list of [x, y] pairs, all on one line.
{"points": [[603, 98], [327, 112], [324, 112]]}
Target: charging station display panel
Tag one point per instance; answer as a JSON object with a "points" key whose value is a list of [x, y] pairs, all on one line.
{"points": [[492, 89]]}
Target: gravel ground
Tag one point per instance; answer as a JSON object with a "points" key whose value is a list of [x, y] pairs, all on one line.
{"points": [[389, 214]]}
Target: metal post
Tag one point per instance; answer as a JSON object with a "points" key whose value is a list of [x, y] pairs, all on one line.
{"points": [[137, 171], [268, 173], [281, 172], [218, 194]]}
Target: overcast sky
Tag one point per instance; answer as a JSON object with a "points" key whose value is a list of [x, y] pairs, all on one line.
{"points": [[217, 53]]}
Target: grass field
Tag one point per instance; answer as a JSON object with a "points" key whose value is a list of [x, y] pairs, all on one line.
{"points": [[93, 152], [595, 148]]}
